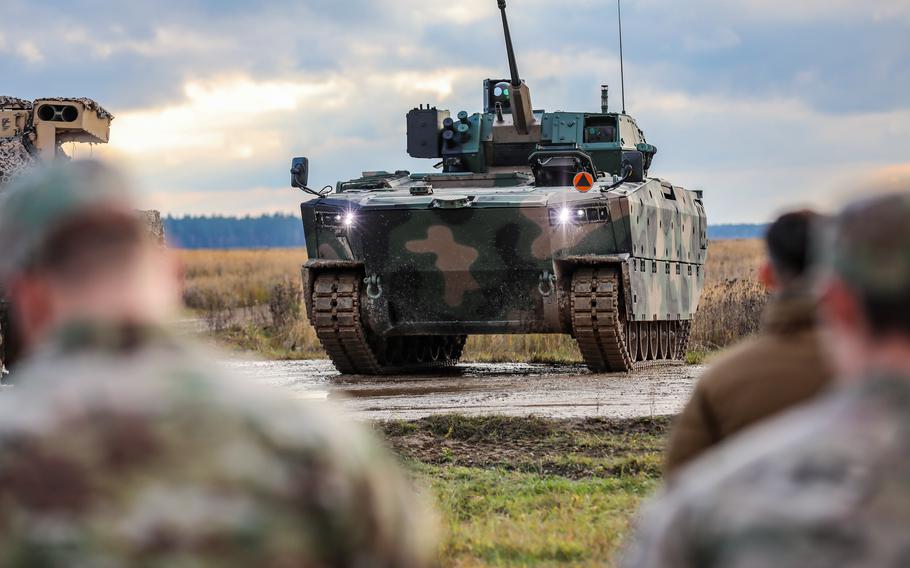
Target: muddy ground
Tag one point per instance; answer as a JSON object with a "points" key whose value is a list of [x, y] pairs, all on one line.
{"points": [[505, 389]]}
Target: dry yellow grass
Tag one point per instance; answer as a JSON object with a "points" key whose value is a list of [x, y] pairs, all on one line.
{"points": [[245, 296], [239, 277], [733, 299]]}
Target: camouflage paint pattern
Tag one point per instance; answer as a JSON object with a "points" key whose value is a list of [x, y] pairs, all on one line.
{"points": [[122, 447], [476, 267]]}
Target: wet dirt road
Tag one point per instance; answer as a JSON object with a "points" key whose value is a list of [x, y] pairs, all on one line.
{"points": [[558, 391]]}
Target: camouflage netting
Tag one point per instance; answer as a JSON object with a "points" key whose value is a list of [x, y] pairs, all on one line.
{"points": [[152, 221], [13, 103], [14, 159]]}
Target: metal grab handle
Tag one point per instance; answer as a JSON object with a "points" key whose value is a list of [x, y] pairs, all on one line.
{"points": [[547, 284], [374, 287]]}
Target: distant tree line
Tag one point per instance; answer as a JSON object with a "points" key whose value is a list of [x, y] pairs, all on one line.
{"points": [[743, 231], [218, 232], [282, 230]]}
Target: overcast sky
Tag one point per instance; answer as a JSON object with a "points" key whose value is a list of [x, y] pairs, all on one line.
{"points": [[763, 104]]}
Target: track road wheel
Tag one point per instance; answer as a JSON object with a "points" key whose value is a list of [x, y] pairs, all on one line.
{"points": [[643, 343], [653, 340], [632, 339], [673, 340]]}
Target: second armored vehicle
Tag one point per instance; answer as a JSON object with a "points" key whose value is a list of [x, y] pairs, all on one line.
{"points": [[539, 222], [32, 133]]}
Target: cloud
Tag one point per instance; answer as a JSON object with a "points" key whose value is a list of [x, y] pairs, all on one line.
{"points": [[239, 202], [29, 52], [787, 11], [894, 178], [759, 103], [712, 40], [753, 157], [222, 117], [164, 41]]}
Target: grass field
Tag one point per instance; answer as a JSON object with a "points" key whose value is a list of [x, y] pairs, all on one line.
{"points": [[251, 301], [530, 491]]}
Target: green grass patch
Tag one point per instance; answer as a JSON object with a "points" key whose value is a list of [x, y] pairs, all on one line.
{"points": [[532, 491], [495, 517]]}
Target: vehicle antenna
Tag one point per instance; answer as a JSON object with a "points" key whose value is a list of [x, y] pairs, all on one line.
{"points": [[622, 75]]}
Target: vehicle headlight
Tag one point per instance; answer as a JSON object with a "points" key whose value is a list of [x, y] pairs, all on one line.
{"points": [[332, 218], [579, 215]]}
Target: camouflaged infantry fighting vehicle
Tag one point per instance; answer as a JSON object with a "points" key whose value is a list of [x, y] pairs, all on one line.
{"points": [[32, 133], [539, 222]]}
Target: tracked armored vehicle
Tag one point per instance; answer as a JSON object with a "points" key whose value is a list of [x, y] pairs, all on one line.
{"points": [[538, 222], [31, 133]]}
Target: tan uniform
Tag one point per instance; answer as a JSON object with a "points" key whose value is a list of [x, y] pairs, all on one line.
{"points": [[780, 368]]}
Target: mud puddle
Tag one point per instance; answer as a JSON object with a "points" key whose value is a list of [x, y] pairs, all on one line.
{"points": [[511, 389]]}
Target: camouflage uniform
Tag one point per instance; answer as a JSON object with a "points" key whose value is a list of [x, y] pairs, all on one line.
{"points": [[121, 447]]}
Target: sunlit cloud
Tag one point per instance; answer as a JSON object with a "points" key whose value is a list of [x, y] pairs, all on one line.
{"points": [[29, 51], [223, 116], [889, 179]]}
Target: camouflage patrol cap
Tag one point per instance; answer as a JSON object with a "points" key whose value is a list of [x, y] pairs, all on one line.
{"points": [[43, 201], [868, 246]]}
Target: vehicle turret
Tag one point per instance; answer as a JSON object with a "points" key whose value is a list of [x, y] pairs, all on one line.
{"points": [[509, 136]]}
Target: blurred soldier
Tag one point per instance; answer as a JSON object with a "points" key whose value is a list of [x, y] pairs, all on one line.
{"points": [[781, 367], [829, 483], [120, 447]]}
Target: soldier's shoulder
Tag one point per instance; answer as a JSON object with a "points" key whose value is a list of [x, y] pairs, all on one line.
{"points": [[754, 453], [165, 380], [734, 361]]}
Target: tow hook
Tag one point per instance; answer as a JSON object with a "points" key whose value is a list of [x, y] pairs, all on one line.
{"points": [[374, 287], [547, 284]]}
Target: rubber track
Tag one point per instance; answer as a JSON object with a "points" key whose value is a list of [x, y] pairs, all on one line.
{"points": [[596, 321], [598, 327], [340, 329]]}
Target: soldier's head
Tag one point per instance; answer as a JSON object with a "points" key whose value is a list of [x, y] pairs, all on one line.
{"points": [[789, 250], [865, 284], [75, 249]]}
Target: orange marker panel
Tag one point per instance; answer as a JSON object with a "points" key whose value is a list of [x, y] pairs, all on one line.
{"points": [[583, 181]]}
